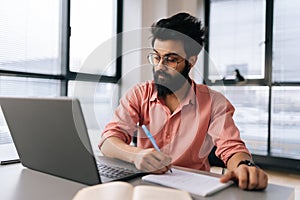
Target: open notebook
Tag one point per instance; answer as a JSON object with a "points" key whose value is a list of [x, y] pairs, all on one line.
{"points": [[126, 191], [197, 184]]}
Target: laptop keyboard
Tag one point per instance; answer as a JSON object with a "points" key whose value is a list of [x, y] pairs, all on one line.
{"points": [[114, 172]]}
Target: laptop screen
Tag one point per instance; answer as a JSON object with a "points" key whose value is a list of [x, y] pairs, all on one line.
{"points": [[50, 136]]}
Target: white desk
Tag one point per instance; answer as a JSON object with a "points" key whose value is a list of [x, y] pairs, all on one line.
{"points": [[19, 183]]}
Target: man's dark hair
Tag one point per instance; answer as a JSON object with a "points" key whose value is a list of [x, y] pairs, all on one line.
{"points": [[183, 27]]}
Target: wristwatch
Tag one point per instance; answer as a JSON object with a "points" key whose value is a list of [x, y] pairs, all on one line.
{"points": [[248, 163]]}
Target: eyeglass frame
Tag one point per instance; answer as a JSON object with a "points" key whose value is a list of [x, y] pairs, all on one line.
{"points": [[165, 59]]}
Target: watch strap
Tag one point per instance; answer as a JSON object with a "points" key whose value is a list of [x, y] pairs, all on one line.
{"points": [[248, 163]]}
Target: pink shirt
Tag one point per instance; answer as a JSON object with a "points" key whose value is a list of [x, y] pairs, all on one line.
{"points": [[203, 119]]}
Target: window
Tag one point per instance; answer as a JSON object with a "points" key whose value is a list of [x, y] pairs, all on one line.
{"points": [[93, 52], [236, 38], [285, 122], [285, 96], [40, 55], [286, 41], [236, 41], [267, 103], [251, 114], [29, 40], [19, 86], [93, 23]]}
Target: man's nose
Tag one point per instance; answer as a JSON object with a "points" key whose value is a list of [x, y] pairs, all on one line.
{"points": [[161, 65]]}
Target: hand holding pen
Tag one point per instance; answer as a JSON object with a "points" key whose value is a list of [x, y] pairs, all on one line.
{"points": [[152, 140]]}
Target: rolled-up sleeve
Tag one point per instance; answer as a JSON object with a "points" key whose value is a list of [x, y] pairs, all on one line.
{"points": [[223, 130], [125, 118]]}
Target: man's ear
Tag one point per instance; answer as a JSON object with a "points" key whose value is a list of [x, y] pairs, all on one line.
{"points": [[192, 61]]}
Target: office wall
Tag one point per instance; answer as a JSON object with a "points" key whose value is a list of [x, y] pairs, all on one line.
{"points": [[138, 17]]}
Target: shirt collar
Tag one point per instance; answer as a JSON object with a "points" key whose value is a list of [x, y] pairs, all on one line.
{"points": [[154, 96], [191, 96]]}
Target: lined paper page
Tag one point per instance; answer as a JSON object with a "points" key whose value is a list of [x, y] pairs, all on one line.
{"points": [[194, 183]]}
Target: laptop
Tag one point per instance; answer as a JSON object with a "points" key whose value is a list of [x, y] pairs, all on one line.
{"points": [[51, 136]]}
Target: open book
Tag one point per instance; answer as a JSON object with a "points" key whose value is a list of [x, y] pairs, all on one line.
{"points": [[198, 184], [125, 191]]}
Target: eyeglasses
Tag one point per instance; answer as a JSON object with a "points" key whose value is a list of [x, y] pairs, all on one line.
{"points": [[168, 60]]}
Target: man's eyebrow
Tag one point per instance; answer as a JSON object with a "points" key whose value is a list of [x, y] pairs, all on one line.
{"points": [[168, 54]]}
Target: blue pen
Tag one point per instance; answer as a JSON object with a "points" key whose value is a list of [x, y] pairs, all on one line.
{"points": [[149, 135]]}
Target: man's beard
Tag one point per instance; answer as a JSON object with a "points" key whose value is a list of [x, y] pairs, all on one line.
{"points": [[170, 84]]}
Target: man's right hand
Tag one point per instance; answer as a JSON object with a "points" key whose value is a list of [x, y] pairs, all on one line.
{"points": [[150, 160], [147, 160]]}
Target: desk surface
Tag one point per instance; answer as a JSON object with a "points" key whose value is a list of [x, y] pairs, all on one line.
{"points": [[19, 183]]}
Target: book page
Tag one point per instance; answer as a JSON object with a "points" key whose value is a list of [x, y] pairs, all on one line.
{"points": [[107, 191], [194, 183], [154, 192]]}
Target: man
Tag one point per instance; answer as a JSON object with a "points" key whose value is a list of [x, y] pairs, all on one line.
{"points": [[186, 119]]}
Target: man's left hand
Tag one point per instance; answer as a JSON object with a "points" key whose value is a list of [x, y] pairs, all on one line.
{"points": [[248, 177]]}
